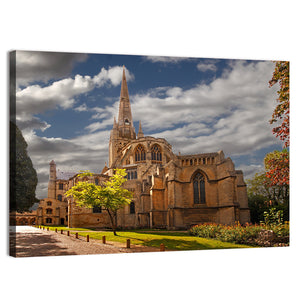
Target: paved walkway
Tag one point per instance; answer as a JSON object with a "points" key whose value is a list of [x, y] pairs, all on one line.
{"points": [[26, 241]]}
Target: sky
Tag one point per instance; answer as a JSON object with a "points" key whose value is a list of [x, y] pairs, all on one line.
{"points": [[66, 103]]}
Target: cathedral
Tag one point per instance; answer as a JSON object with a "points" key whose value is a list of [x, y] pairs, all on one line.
{"points": [[169, 191]]}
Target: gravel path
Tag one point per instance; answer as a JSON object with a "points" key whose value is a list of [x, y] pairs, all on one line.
{"points": [[26, 241]]}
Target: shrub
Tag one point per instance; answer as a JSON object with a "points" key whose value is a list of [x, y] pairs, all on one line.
{"points": [[247, 234]]}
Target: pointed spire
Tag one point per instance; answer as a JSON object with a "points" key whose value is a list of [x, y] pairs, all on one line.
{"points": [[125, 122], [124, 88], [140, 133], [115, 123]]}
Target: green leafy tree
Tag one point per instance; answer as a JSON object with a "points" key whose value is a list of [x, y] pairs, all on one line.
{"points": [[111, 196], [263, 195], [23, 177]]}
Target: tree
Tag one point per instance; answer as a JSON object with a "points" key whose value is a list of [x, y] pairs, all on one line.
{"points": [[23, 177], [277, 167], [281, 75], [263, 195], [110, 195]]}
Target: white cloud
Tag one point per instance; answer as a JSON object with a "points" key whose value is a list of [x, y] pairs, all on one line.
{"points": [[85, 152], [36, 99], [230, 113], [203, 67], [166, 59]]}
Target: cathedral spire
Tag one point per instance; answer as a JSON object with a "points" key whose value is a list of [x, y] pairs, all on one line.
{"points": [[140, 133], [124, 89], [125, 122]]}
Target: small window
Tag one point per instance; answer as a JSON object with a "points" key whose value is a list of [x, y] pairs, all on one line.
{"points": [[49, 203], [59, 197], [126, 122], [131, 174], [49, 211], [132, 207], [60, 186], [48, 220], [96, 181]]}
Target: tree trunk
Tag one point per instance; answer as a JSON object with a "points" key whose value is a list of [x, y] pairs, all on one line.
{"points": [[113, 223]]}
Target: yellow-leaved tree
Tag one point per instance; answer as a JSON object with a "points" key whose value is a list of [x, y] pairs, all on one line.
{"points": [[111, 196]]}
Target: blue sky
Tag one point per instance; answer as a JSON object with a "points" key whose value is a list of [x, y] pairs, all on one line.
{"points": [[66, 103]]}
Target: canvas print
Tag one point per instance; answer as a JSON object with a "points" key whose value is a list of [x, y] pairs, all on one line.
{"points": [[128, 153]]}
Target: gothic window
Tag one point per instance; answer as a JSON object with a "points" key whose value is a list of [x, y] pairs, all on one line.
{"points": [[156, 153], [132, 207], [59, 197], [49, 203], [126, 122], [199, 189], [60, 186], [48, 211], [140, 153]]}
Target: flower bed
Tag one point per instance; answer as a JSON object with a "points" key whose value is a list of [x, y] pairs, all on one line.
{"points": [[275, 235]]}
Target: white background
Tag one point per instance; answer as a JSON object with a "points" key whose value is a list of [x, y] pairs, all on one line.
{"points": [[213, 29]]}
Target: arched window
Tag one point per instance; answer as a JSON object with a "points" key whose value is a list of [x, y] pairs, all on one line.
{"points": [[199, 189], [59, 197], [132, 207], [49, 211], [156, 153], [49, 203], [140, 153], [48, 220]]}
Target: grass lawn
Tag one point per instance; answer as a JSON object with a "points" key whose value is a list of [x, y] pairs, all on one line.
{"points": [[173, 240]]}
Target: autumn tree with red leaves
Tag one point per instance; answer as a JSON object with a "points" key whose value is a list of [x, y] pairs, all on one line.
{"points": [[277, 167], [281, 113], [277, 162]]}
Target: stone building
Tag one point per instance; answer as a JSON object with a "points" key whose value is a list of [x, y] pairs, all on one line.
{"points": [[169, 190]]}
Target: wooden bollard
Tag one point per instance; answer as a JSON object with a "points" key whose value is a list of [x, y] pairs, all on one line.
{"points": [[104, 239], [87, 238], [162, 247], [128, 243], [55, 229], [68, 233], [61, 231], [76, 235], [47, 228]]}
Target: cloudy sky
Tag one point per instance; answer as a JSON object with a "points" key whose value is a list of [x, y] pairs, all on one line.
{"points": [[66, 103]]}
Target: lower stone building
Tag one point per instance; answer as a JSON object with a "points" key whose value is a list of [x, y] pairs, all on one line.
{"points": [[169, 190]]}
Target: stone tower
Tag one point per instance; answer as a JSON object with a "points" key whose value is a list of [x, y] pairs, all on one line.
{"points": [[52, 180], [123, 131]]}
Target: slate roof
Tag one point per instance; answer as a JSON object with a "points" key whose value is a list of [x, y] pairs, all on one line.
{"points": [[65, 175]]}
